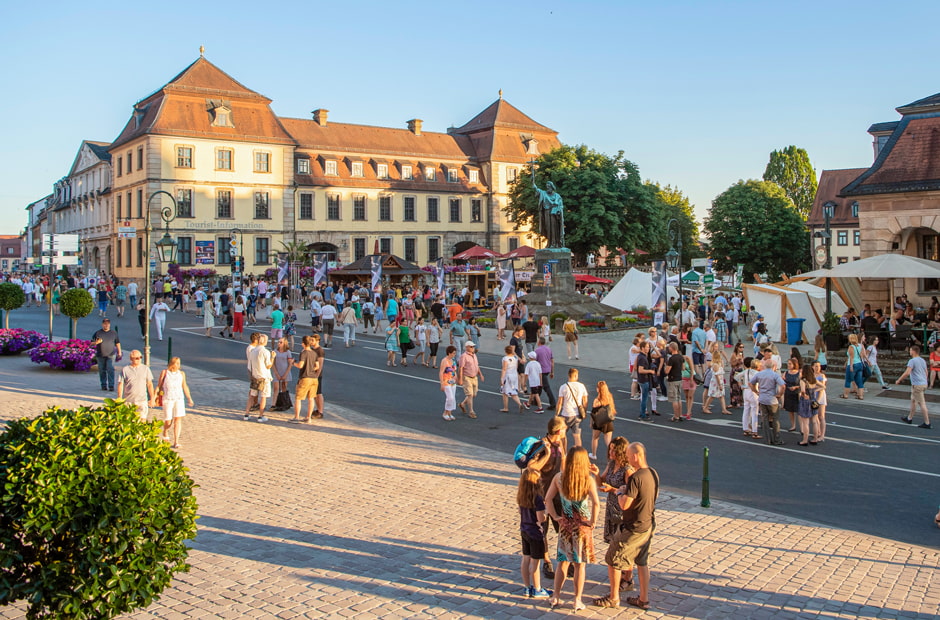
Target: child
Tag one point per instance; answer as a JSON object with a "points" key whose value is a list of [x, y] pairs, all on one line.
{"points": [[531, 518], [934, 363], [290, 317], [820, 349]]}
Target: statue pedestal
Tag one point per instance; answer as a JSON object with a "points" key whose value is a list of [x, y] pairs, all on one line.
{"points": [[558, 295]]}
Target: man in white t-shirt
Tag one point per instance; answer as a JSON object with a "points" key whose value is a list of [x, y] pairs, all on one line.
{"points": [[315, 309], [533, 373], [571, 394], [260, 361]]}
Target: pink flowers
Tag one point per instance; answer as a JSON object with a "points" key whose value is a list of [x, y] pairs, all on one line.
{"points": [[65, 355], [13, 341]]}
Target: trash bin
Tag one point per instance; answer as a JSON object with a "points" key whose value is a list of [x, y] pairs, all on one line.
{"points": [[794, 331]]}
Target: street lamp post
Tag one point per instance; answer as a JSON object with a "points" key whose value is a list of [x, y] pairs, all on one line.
{"points": [[167, 250], [236, 239], [828, 210], [674, 258]]}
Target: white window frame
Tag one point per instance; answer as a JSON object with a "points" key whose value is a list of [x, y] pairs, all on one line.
{"points": [[355, 169], [329, 168], [381, 171], [303, 165], [430, 174], [451, 175], [407, 173], [474, 176]]}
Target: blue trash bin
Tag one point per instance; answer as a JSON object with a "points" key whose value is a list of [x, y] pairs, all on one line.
{"points": [[794, 331]]}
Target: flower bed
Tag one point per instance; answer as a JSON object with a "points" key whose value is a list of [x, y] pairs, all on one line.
{"points": [[591, 323], [65, 355], [13, 341]]}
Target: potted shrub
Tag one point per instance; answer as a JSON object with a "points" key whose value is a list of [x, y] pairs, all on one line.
{"points": [[76, 303], [95, 513], [11, 298], [832, 331]]}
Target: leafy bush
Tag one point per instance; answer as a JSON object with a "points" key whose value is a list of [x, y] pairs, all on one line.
{"points": [[94, 515], [13, 341], [65, 355], [76, 303], [11, 298], [485, 320], [641, 309]]}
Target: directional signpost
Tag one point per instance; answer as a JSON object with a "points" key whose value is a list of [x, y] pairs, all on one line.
{"points": [[55, 249], [709, 281]]}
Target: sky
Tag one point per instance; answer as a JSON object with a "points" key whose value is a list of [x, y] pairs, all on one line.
{"points": [[696, 93]]}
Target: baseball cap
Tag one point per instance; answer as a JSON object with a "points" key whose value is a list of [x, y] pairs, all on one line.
{"points": [[532, 355], [469, 345]]}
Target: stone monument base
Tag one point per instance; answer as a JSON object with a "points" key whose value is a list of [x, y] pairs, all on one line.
{"points": [[557, 294]]}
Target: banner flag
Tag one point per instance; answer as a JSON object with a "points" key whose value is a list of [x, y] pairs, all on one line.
{"points": [[659, 287], [507, 281], [319, 268], [440, 276], [376, 260]]}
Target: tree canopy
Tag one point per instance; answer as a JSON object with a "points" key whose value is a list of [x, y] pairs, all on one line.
{"points": [[606, 203], [672, 203], [755, 223], [792, 170]]}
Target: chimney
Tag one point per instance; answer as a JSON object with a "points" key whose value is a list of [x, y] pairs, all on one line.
{"points": [[414, 126], [319, 116]]}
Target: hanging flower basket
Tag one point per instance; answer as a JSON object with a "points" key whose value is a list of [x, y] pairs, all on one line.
{"points": [[78, 355], [15, 341]]}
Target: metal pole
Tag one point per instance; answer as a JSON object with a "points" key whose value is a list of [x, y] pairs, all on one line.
{"points": [[827, 213], [167, 217], [706, 501]]}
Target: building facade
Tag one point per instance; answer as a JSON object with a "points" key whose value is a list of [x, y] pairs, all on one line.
{"points": [[238, 171], [899, 198], [843, 219]]}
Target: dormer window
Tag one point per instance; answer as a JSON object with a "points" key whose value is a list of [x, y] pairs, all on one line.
{"points": [[474, 176], [220, 113], [381, 171], [139, 112], [406, 173], [356, 169], [855, 209], [451, 175], [430, 174], [330, 167], [303, 166]]}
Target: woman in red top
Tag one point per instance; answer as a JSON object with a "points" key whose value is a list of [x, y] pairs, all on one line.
{"points": [[934, 363]]}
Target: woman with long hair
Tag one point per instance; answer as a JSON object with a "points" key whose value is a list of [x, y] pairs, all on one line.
{"points": [[238, 317], [545, 330], [823, 400], [749, 415], [855, 357], [616, 475], [531, 518], [448, 381], [792, 391], [577, 492], [173, 388], [809, 405], [603, 412], [391, 343], [737, 365], [819, 348], [509, 379], [500, 321]]}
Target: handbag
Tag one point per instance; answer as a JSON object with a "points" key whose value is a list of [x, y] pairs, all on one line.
{"points": [[158, 400], [600, 416]]}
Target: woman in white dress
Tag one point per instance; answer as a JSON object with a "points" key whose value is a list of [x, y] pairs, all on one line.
{"points": [[421, 334], [158, 316], [173, 387], [500, 322], [208, 317], [509, 379]]}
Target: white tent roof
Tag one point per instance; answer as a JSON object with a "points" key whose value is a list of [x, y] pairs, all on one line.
{"points": [[779, 303], [817, 297], [635, 289], [882, 266]]}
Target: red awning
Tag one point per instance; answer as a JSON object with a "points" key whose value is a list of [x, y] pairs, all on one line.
{"points": [[587, 278], [477, 251], [523, 251]]}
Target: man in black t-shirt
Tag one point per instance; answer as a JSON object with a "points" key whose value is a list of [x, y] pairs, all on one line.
{"points": [[310, 365], [674, 366], [437, 309], [107, 351], [531, 328], [630, 545], [644, 377]]}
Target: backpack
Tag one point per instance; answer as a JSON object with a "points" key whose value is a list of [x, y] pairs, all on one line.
{"points": [[528, 449]]}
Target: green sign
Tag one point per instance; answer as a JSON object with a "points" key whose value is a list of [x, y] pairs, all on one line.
{"points": [[709, 281]]}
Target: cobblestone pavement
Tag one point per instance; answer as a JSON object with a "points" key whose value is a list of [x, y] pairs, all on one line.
{"points": [[351, 517]]}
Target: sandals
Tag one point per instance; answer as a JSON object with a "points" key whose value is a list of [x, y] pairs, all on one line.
{"points": [[626, 585], [606, 601], [555, 603], [636, 602], [843, 396]]}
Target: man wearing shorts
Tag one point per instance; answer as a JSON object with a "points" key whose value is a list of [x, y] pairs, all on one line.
{"points": [[674, 364], [309, 380], [328, 321], [630, 545], [260, 361], [699, 342], [468, 376], [277, 323], [917, 371], [570, 395], [135, 385]]}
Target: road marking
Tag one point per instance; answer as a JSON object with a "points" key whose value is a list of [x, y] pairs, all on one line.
{"points": [[803, 452]]}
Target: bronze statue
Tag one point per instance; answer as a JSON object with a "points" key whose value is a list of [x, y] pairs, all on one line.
{"points": [[551, 215]]}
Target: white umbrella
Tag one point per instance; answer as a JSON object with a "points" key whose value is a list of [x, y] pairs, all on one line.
{"points": [[881, 266]]}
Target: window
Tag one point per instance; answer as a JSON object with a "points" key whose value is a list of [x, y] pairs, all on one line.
{"points": [[140, 251], [303, 166], [843, 238], [223, 204], [223, 159], [357, 168], [433, 215], [857, 237], [129, 205], [474, 176], [184, 203], [385, 245], [454, 209], [842, 260], [184, 157], [381, 171], [430, 174], [117, 252], [513, 243], [262, 206], [476, 210], [359, 248], [359, 207], [262, 161], [434, 249], [262, 249], [184, 250], [140, 203], [221, 116], [140, 158], [855, 209], [129, 253], [223, 252], [406, 173], [410, 253], [511, 174], [451, 175], [331, 168], [130, 159], [117, 209], [306, 206], [120, 167], [385, 208], [332, 207], [409, 215]]}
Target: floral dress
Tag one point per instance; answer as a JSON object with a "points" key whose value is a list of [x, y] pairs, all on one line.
{"points": [[575, 535], [737, 394], [716, 387], [614, 515], [289, 319]]}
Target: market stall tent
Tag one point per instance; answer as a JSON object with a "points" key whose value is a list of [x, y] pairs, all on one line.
{"points": [[779, 303], [634, 289]]}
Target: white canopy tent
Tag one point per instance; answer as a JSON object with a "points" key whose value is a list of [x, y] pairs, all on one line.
{"points": [[817, 297], [635, 289], [779, 303]]}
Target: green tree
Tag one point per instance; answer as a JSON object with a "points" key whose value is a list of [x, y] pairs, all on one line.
{"points": [[11, 298], [606, 203], [755, 223], [76, 303], [792, 170], [672, 203], [95, 512], [297, 252]]}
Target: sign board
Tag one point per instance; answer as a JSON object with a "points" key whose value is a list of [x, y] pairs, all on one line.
{"points": [[709, 281], [58, 261], [699, 262], [92, 272], [547, 271], [63, 243], [127, 235], [820, 255], [205, 252]]}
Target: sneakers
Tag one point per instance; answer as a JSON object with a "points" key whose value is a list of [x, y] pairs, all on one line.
{"points": [[262, 418], [885, 387], [906, 420], [662, 399], [539, 410], [531, 592], [246, 418], [591, 456], [924, 425]]}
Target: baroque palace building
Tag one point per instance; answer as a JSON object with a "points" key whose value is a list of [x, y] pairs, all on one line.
{"points": [[234, 166]]}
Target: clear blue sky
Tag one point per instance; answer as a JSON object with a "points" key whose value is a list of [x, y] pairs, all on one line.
{"points": [[696, 93]]}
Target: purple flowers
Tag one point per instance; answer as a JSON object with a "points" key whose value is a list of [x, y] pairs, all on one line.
{"points": [[65, 354], [13, 341]]}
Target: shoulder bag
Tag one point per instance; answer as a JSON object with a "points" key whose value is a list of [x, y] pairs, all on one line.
{"points": [[582, 413], [158, 401]]}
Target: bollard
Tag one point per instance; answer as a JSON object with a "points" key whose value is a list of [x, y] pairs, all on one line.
{"points": [[169, 349], [706, 502]]}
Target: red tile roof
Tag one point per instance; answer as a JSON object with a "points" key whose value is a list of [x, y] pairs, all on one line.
{"points": [[368, 140], [831, 183], [909, 161]]}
